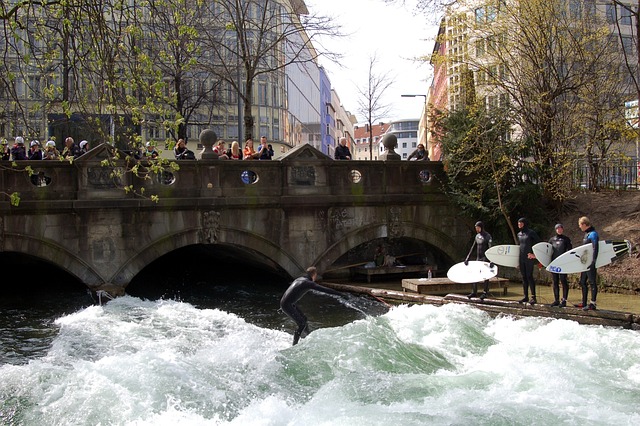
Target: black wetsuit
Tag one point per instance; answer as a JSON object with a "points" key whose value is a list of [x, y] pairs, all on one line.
{"points": [[561, 244], [298, 288], [590, 236], [483, 242], [527, 238]]}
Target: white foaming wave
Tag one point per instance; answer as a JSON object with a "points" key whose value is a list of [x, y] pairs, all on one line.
{"points": [[124, 361]]}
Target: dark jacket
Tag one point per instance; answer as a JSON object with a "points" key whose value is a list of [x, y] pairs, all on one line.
{"points": [[18, 152], [342, 153], [419, 155]]}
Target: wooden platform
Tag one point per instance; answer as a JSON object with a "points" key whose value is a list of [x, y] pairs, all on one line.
{"points": [[393, 270], [442, 286]]}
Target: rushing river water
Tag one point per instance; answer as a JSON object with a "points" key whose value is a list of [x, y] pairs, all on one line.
{"points": [[225, 358]]}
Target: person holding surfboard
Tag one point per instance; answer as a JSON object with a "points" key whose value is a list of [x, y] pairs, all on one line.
{"points": [[482, 242], [298, 288], [527, 238], [590, 236], [561, 244]]}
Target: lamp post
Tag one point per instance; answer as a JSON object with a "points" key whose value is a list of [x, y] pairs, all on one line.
{"points": [[231, 27], [424, 112]]}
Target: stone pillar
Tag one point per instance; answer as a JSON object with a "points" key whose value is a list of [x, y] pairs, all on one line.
{"points": [[207, 138]]}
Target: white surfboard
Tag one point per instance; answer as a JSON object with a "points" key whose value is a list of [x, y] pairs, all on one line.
{"points": [[543, 252], [579, 259], [475, 271], [504, 255]]}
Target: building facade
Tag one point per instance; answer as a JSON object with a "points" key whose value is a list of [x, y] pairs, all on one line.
{"points": [[406, 132], [366, 148], [49, 92]]}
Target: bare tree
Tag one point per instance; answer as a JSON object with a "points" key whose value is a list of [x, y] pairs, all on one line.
{"points": [[252, 39], [370, 102]]}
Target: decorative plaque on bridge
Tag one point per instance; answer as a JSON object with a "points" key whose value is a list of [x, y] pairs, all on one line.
{"points": [[303, 175]]}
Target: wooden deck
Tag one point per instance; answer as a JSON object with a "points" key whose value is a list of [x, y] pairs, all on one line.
{"points": [[442, 286], [401, 270]]}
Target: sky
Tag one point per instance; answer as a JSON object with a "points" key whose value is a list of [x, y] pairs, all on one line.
{"points": [[394, 35]]}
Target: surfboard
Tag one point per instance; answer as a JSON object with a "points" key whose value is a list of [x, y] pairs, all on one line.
{"points": [[474, 272], [504, 255], [579, 259], [543, 252]]}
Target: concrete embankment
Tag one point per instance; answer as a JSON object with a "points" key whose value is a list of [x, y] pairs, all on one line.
{"points": [[498, 306]]}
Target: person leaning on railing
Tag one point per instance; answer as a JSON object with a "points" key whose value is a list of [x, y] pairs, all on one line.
{"points": [[420, 154]]}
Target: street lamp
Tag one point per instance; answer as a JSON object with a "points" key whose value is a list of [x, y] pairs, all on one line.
{"points": [[231, 27], [424, 112]]}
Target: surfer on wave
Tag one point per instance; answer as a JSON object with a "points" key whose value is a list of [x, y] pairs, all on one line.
{"points": [[298, 288]]}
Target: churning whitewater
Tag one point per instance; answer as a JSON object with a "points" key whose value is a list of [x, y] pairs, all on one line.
{"points": [[138, 362]]}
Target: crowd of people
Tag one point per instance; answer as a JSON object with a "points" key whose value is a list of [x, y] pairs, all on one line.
{"points": [[231, 152], [19, 152]]}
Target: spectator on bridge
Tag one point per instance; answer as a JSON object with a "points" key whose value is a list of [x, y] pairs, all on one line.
{"points": [[84, 147], [35, 153], [18, 151], [420, 154], [234, 153], [482, 242], [6, 151], [263, 152], [50, 151], [220, 149], [271, 153], [150, 153], [342, 150], [181, 152], [71, 150], [298, 288], [248, 153]]}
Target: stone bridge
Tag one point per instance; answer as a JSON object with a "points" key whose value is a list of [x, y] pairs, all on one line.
{"points": [[303, 209]]}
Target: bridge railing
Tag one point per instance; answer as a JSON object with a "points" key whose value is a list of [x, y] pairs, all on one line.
{"points": [[222, 181]]}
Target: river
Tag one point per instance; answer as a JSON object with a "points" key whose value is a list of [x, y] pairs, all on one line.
{"points": [[222, 355]]}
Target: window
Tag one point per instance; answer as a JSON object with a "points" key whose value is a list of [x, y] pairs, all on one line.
{"points": [[480, 50], [625, 16], [492, 13], [627, 45], [611, 13]]}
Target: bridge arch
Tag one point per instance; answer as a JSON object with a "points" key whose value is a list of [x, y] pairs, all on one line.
{"points": [[432, 236], [54, 253], [269, 253]]}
